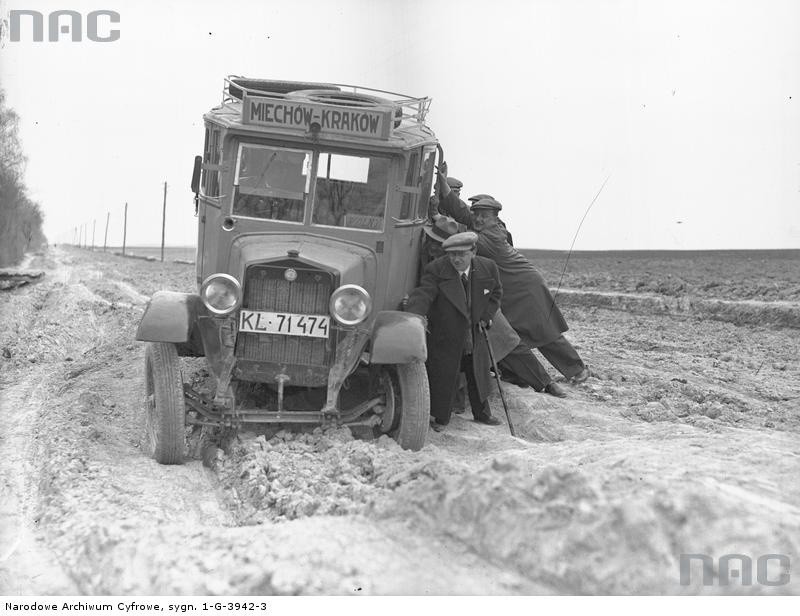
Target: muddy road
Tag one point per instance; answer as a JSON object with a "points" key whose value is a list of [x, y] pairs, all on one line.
{"points": [[685, 440]]}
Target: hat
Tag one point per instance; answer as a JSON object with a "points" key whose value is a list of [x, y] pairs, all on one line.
{"points": [[461, 241], [442, 228], [454, 183], [488, 204], [479, 197]]}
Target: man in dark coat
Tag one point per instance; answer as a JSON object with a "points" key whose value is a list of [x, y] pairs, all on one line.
{"points": [[502, 336], [441, 228], [459, 293], [527, 302]]}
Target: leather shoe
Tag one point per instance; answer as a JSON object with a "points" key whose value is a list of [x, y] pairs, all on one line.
{"points": [[436, 426], [581, 376], [489, 420], [554, 389]]}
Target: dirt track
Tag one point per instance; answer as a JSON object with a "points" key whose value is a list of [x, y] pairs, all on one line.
{"points": [[685, 441]]}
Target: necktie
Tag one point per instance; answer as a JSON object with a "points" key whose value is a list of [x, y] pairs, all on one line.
{"points": [[465, 283]]}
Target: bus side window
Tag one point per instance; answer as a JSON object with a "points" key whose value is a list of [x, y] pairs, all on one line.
{"points": [[212, 156], [409, 199], [425, 182]]}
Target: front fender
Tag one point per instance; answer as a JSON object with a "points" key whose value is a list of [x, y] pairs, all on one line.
{"points": [[398, 338], [170, 317]]}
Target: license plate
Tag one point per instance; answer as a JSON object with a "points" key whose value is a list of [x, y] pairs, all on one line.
{"points": [[312, 325]]}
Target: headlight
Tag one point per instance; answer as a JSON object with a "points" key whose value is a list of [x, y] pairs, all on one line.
{"points": [[221, 293], [350, 304]]}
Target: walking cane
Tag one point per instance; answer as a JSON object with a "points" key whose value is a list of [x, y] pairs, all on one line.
{"points": [[497, 376]]}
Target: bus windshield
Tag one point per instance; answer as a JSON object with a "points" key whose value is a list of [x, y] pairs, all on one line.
{"points": [[350, 191], [275, 183], [271, 182]]}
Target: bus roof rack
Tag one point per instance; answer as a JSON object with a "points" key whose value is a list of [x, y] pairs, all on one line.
{"points": [[413, 109]]}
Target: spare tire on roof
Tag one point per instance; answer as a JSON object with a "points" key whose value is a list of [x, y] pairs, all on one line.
{"points": [[269, 86], [354, 99], [349, 99]]}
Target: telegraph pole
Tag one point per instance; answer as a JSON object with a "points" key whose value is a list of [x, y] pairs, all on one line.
{"points": [[125, 229], [163, 221], [94, 226], [105, 237]]}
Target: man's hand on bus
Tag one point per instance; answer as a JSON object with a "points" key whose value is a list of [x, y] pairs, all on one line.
{"points": [[441, 183]]}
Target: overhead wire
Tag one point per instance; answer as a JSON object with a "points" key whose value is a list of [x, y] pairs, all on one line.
{"points": [[572, 245]]}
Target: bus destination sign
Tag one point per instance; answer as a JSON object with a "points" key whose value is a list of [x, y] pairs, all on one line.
{"points": [[369, 122]]}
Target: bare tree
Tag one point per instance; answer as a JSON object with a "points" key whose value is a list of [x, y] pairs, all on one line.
{"points": [[20, 218]]}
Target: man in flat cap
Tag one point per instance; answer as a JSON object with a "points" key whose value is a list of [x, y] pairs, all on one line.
{"points": [[437, 232], [502, 336], [528, 304], [458, 293], [454, 185], [474, 198]]}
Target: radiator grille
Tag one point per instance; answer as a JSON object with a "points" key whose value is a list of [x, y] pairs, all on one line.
{"points": [[266, 289]]}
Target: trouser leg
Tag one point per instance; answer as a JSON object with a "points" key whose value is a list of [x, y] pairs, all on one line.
{"points": [[523, 363], [480, 408], [564, 358], [460, 399], [441, 397]]}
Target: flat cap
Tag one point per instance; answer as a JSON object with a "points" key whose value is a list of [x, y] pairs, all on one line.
{"points": [[454, 182], [461, 241], [442, 228], [479, 197], [488, 204]]}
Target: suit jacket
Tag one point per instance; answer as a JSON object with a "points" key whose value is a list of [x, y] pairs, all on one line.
{"points": [[527, 302], [441, 298]]}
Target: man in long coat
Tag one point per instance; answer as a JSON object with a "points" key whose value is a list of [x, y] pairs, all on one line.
{"points": [[527, 302], [459, 293]]}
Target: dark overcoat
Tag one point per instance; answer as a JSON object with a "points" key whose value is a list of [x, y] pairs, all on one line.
{"points": [[527, 302], [440, 296]]}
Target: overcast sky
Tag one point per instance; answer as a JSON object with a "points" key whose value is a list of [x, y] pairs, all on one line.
{"points": [[688, 108]]}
